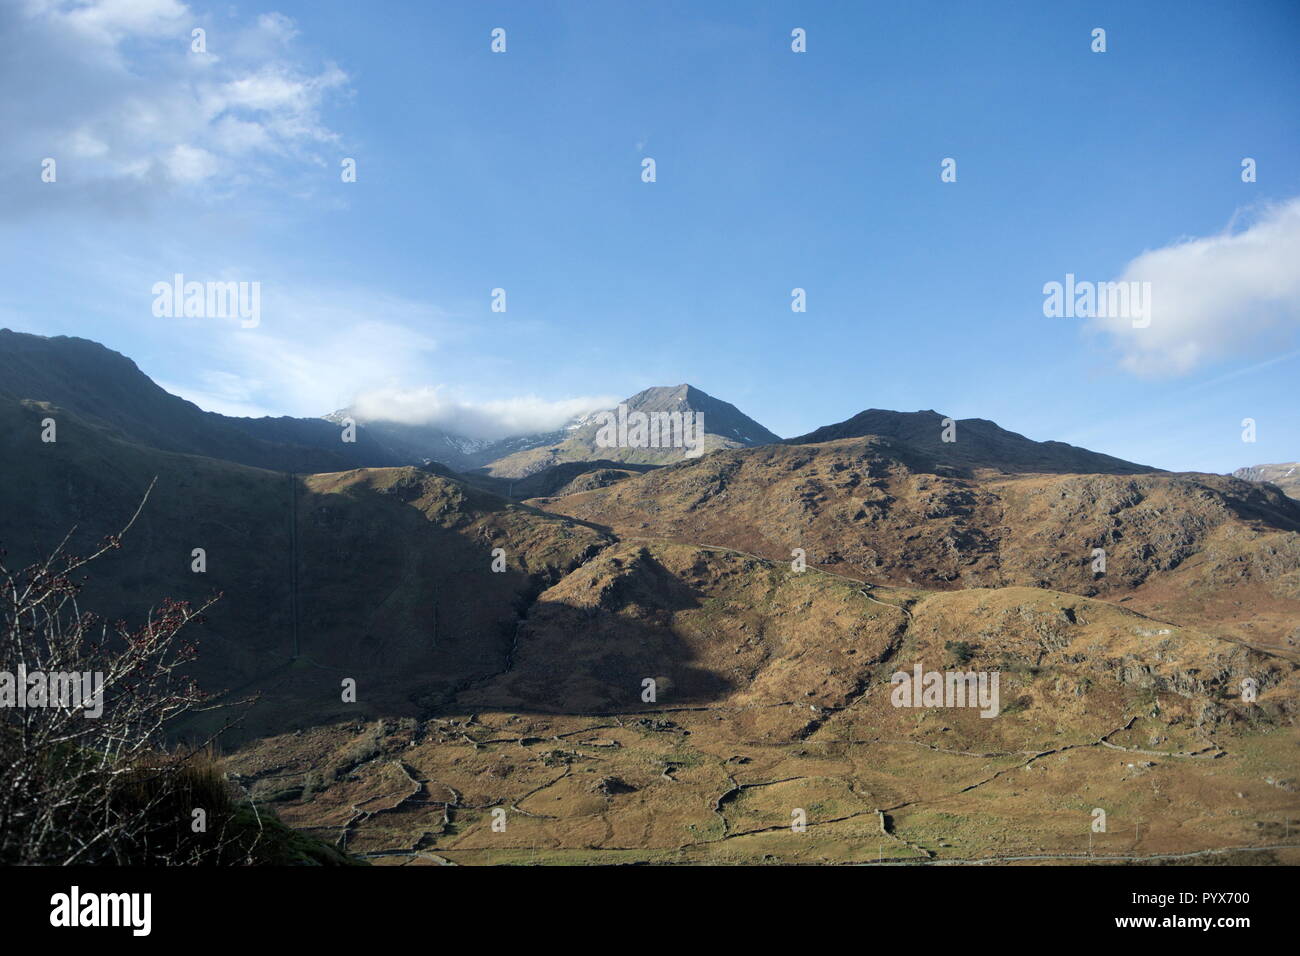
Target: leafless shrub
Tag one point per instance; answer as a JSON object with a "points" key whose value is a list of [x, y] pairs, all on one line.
{"points": [[77, 788]]}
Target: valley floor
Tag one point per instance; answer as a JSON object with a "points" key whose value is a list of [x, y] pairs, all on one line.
{"points": [[677, 786], [1182, 775]]}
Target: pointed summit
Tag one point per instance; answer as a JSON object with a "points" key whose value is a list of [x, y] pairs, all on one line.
{"points": [[721, 419], [725, 426]]}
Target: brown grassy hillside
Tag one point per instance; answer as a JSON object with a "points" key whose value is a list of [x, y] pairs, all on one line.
{"points": [[871, 509]]}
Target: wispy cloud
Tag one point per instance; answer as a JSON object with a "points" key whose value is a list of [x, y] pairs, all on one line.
{"points": [[316, 349], [221, 392], [1232, 295]]}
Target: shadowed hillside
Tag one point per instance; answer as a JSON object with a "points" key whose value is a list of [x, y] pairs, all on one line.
{"points": [[375, 575], [106, 389]]}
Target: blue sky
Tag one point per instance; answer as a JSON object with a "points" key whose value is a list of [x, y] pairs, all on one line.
{"points": [[819, 170]]}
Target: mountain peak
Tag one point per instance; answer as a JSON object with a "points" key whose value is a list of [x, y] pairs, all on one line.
{"points": [[725, 426], [721, 418], [659, 394]]}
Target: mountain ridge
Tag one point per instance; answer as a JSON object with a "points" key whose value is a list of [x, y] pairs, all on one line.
{"points": [[1285, 475], [109, 389], [975, 442]]}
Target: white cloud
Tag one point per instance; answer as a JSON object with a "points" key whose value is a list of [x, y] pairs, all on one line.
{"points": [[502, 418], [108, 22], [189, 164], [113, 92], [1233, 295], [318, 348]]}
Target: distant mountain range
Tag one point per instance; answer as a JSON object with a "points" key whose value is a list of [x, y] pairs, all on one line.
{"points": [[725, 426], [108, 390], [1286, 476]]}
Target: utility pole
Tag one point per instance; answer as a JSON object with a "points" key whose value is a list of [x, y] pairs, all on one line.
{"points": [[293, 560]]}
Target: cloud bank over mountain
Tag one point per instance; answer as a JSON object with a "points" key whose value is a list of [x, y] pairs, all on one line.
{"points": [[490, 420]]}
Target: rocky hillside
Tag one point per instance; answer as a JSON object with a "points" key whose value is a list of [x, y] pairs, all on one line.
{"points": [[772, 697], [877, 509], [1286, 476]]}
